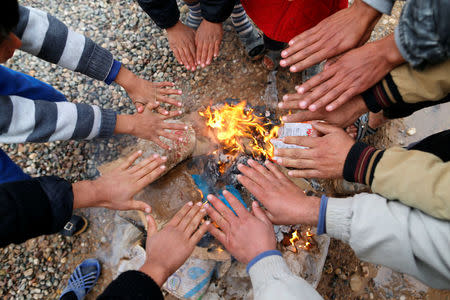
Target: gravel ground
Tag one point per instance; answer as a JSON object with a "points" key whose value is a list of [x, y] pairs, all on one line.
{"points": [[39, 268]]}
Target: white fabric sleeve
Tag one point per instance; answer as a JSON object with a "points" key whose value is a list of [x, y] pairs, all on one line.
{"points": [[272, 279], [393, 234]]}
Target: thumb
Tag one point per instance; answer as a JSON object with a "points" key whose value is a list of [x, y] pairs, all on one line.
{"points": [[151, 226], [325, 128], [259, 213], [140, 205]]}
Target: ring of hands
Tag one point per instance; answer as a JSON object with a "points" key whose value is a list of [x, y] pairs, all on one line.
{"points": [[324, 156], [245, 235], [169, 248], [285, 202], [116, 189]]}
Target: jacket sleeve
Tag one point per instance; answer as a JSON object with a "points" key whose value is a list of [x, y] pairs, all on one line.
{"points": [[383, 6], [217, 11], [422, 35], [426, 186], [164, 13], [24, 120], [48, 38], [132, 285], [33, 207], [394, 235], [272, 279], [405, 90]]}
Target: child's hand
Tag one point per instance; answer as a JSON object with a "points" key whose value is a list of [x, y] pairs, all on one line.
{"points": [[146, 93], [168, 249], [150, 126], [207, 40], [182, 42], [115, 190]]}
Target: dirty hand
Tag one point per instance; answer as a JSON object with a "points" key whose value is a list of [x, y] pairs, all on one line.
{"points": [[151, 126], [207, 41], [182, 42], [285, 202], [325, 156], [351, 74], [115, 190], [246, 235], [344, 30], [169, 248], [343, 116], [146, 93]]}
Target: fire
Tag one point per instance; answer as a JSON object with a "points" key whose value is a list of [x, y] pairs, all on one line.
{"points": [[294, 238], [302, 240], [239, 129]]}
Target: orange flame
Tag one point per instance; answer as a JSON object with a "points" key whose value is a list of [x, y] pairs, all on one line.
{"points": [[234, 126], [294, 238]]}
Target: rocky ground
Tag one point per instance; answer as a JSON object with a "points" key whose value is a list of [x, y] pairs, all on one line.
{"points": [[39, 268]]}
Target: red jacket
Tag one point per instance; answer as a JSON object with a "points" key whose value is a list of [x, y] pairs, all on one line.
{"points": [[281, 20]]}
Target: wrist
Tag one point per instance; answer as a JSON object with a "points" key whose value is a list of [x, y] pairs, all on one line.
{"points": [[125, 78], [85, 194], [308, 212], [364, 11], [125, 124], [390, 51], [174, 27], [158, 273]]}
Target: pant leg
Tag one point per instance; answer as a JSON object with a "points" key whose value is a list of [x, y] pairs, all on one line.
{"points": [[9, 171]]}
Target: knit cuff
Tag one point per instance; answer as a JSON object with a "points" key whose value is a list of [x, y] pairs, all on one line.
{"points": [[339, 218], [109, 119], [261, 256], [321, 225], [267, 269], [382, 95], [113, 72], [100, 63], [361, 162]]}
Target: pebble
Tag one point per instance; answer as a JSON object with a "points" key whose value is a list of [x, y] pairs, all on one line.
{"points": [[356, 283], [411, 131]]}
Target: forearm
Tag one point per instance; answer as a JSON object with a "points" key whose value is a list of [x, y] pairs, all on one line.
{"points": [[272, 279], [34, 207], [24, 120], [392, 234], [404, 88], [164, 13], [132, 285], [48, 38]]}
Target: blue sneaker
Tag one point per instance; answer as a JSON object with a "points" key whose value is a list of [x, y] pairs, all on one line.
{"points": [[82, 279]]}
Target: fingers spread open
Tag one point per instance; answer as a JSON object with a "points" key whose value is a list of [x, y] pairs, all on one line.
{"points": [[190, 59], [199, 233], [237, 206], [174, 126], [143, 163], [195, 221], [216, 48], [343, 98], [217, 218], [254, 175], [189, 216], [180, 214], [130, 160], [160, 143], [163, 84], [168, 100], [305, 173], [259, 213], [151, 226], [303, 116], [218, 234], [150, 165], [257, 190], [293, 153], [222, 208], [275, 171], [171, 114], [150, 177]]}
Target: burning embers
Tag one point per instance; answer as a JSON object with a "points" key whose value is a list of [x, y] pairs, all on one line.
{"points": [[299, 240], [239, 129]]}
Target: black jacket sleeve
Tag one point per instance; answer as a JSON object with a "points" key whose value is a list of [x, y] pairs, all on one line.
{"points": [[217, 11], [164, 13], [132, 285], [33, 207]]}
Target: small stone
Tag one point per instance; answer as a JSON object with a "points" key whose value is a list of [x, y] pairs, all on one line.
{"points": [[125, 61], [338, 271], [402, 297], [28, 272], [356, 283], [371, 296], [365, 271], [411, 131], [343, 277]]}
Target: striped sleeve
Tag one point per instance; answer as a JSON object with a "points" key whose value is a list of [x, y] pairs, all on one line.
{"points": [[361, 162], [48, 38], [23, 120]]}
